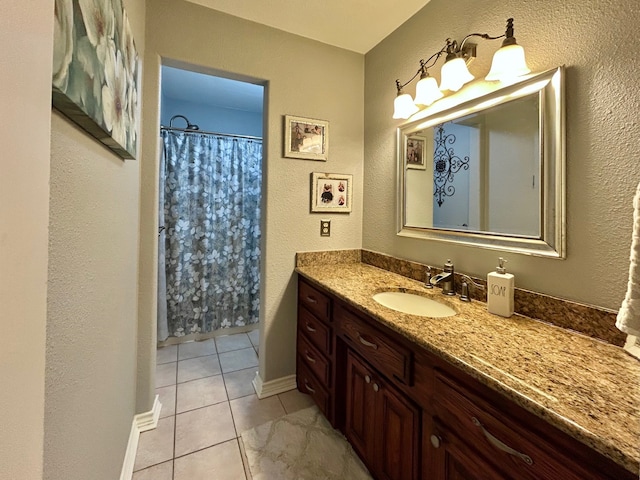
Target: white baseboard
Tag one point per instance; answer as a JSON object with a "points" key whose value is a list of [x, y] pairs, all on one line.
{"points": [[273, 387], [141, 423]]}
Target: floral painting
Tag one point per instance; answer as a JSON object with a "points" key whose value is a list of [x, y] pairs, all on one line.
{"points": [[95, 71]]}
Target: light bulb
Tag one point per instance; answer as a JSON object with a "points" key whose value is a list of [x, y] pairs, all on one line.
{"points": [[508, 62], [454, 75], [427, 91], [403, 106]]}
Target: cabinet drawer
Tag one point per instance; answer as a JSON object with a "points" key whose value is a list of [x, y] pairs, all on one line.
{"points": [[308, 384], [389, 357], [316, 332], [314, 360], [498, 438], [316, 301]]}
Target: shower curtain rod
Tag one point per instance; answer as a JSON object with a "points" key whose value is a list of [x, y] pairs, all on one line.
{"points": [[189, 130]]}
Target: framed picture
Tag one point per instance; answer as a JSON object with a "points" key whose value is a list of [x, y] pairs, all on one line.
{"points": [[96, 72], [306, 138], [331, 192], [414, 152]]}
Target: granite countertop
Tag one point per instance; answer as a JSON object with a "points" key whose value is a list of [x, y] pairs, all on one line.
{"points": [[585, 387]]}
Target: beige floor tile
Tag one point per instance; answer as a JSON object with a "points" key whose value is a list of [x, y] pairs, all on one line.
{"points": [[164, 471], [254, 337], [196, 349], [227, 343], [222, 462], [238, 360], [203, 428], [293, 401], [249, 412], [199, 367], [168, 400], [239, 384], [200, 393], [155, 446], [165, 374], [245, 460], [167, 354]]}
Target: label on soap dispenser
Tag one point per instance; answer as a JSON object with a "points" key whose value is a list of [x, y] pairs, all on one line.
{"points": [[500, 293]]}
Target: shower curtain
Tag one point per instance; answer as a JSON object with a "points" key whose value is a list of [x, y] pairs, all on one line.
{"points": [[210, 253]]}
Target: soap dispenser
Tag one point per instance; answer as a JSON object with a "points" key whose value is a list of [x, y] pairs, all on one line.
{"points": [[500, 291]]}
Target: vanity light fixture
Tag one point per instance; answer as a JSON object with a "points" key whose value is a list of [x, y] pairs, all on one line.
{"points": [[508, 62]]}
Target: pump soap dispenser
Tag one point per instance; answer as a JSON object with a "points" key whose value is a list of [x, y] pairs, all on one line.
{"points": [[500, 291]]}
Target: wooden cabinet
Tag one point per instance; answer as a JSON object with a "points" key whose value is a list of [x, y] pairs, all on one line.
{"points": [[411, 415], [381, 423], [315, 353]]}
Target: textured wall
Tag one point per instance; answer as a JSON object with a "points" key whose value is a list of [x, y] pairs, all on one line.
{"points": [[603, 151], [92, 300], [304, 78], [26, 30]]}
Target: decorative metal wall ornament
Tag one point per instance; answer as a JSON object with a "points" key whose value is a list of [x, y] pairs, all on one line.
{"points": [[445, 164]]}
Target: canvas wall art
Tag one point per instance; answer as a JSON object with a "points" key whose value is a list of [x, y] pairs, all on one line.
{"points": [[96, 71]]}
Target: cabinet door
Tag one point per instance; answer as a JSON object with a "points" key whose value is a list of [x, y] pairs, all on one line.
{"points": [[381, 424], [397, 424], [359, 422]]}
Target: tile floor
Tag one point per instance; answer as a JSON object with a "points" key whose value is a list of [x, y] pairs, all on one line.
{"points": [[207, 402]]}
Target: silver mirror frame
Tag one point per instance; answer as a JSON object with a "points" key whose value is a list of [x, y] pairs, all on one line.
{"points": [[552, 241]]}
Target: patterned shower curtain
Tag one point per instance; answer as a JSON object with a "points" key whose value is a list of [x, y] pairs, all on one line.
{"points": [[211, 249]]}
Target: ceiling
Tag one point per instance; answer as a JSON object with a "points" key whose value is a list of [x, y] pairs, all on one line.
{"points": [[356, 25]]}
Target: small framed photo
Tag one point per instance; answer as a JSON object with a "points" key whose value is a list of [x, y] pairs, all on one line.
{"points": [[414, 152], [331, 192], [306, 138]]}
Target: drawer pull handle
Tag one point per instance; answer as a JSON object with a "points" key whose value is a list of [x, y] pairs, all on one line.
{"points": [[435, 441], [306, 385], [375, 387], [367, 343], [367, 378], [500, 445], [310, 328], [311, 299], [310, 359]]}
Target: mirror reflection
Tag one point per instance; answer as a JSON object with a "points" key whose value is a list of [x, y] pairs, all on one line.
{"points": [[477, 173], [489, 172]]}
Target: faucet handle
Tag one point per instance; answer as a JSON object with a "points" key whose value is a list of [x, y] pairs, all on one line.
{"points": [[464, 295], [427, 280]]}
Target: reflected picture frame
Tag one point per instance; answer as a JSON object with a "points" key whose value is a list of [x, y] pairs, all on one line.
{"points": [[306, 138], [414, 152], [331, 192]]}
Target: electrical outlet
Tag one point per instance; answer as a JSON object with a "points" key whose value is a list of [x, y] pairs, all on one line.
{"points": [[325, 228]]}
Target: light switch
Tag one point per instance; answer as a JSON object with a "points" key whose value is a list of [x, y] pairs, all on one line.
{"points": [[325, 228]]}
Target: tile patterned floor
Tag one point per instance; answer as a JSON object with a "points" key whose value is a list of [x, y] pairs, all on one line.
{"points": [[207, 402]]}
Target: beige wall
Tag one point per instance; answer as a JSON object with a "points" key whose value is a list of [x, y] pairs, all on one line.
{"points": [[603, 151], [303, 77], [92, 300], [26, 30]]}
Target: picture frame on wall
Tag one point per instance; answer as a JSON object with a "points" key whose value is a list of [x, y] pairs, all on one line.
{"points": [[306, 138], [414, 152], [331, 192], [96, 72]]}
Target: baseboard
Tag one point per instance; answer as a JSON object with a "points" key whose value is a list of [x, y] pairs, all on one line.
{"points": [[273, 387], [141, 423]]}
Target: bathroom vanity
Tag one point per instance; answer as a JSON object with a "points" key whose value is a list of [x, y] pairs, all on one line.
{"points": [[469, 396]]}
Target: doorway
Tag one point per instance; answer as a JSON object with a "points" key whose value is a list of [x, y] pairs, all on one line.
{"points": [[209, 206]]}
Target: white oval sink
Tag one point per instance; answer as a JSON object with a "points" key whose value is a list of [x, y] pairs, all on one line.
{"points": [[413, 304]]}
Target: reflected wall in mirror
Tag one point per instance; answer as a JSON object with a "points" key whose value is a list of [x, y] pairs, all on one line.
{"points": [[491, 170]]}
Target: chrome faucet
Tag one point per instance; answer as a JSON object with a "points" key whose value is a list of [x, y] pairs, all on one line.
{"points": [[447, 278]]}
